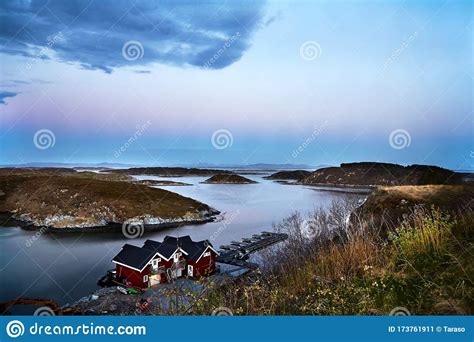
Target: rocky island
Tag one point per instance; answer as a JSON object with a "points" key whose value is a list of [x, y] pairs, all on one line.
{"points": [[382, 174], [68, 200], [151, 182], [168, 171], [228, 179], [297, 175]]}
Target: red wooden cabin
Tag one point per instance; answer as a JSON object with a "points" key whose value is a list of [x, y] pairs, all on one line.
{"points": [[159, 262]]}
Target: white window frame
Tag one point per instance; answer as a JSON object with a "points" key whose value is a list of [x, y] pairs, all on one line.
{"points": [[207, 254], [155, 262], [176, 256], [145, 278]]}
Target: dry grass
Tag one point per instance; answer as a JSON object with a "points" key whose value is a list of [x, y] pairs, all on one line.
{"points": [[426, 265], [444, 196], [91, 197]]}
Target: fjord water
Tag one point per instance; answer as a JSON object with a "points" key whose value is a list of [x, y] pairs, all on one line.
{"points": [[65, 267]]}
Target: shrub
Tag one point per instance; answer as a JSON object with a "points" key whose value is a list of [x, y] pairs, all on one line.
{"points": [[426, 266], [422, 241]]}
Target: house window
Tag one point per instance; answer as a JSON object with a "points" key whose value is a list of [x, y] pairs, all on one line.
{"points": [[154, 262], [145, 278], [207, 254], [190, 271], [176, 257]]}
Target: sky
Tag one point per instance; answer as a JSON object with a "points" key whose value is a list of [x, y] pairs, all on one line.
{"points": [[236, 82]]}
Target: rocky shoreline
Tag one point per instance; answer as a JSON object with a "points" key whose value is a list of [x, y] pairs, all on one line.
{"points": [[353, 189], [356, 189], [69, 201], [10, 220], [151, 182]]}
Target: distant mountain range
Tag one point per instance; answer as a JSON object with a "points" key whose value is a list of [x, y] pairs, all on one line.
{"points": [[258, 166], [55, 164]]}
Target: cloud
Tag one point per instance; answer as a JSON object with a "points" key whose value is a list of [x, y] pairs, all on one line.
{"points": [[5, 94], [93, 33], [16, 83]]}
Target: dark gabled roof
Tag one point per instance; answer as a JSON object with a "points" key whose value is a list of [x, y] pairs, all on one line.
{"points": [[138, 257], [163, 249], [178, 241], [193, 248], [134, 256], [151, 244]]}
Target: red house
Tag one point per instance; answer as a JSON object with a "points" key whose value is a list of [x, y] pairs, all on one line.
{"points": [[159, 262]]}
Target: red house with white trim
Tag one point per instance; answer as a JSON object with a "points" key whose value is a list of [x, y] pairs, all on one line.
{"points": [[159, 262]]}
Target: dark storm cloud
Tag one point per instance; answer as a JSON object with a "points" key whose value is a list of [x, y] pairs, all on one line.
{"points": [[93, 33], [4, 95]]}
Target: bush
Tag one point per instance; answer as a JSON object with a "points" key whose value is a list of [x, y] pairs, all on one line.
{"points": [[426, 265], [422, 242]]}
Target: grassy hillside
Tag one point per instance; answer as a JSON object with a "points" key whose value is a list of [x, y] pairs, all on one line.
{"points": [[290, 175], [389, 206], [169, 171], [424, 264], [383, 174], [65, 199]]}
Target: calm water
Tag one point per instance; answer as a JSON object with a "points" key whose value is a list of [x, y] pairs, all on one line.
{"points": [[67, 266]]}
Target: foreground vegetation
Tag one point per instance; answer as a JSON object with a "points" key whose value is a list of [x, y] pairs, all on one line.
{"points": [[423, 263]]}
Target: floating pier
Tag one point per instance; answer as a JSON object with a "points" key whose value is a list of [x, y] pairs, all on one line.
{"points": [[237, 252]]}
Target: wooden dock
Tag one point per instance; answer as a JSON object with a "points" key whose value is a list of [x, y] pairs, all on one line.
{"points": [[237, 252]]}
